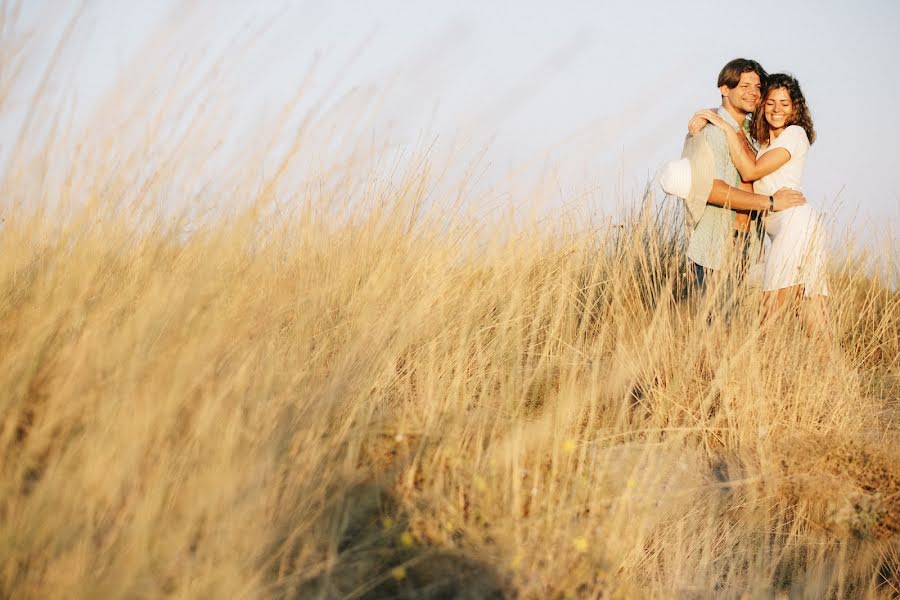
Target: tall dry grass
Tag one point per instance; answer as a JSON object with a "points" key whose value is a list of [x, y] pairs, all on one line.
{"points": [[368, 395]]}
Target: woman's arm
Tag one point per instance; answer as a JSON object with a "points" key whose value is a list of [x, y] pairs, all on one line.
{"points": [[745, 160], [742, 154]]}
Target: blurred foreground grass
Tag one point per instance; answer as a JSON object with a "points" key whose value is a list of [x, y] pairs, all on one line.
{"points": [[273, 408]]}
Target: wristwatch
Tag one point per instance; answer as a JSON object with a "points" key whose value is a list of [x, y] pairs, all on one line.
{"points": [[771, 203]]}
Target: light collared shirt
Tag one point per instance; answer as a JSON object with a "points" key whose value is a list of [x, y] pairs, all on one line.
{"points": [[713, 237]]}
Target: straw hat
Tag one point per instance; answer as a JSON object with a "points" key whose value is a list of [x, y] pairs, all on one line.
{"points": [[691, 178]]}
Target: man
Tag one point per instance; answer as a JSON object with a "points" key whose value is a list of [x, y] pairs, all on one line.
{"points": [[722, 210]]}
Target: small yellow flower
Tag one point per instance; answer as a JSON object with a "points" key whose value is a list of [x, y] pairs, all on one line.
{"points": [[387, 522], [406, 539], [580, 543], [631, 483], [569, 446], [398, 573], [480, 484]]}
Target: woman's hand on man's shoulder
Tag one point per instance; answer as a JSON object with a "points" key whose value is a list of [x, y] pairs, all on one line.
{"points": [[698, 122]]}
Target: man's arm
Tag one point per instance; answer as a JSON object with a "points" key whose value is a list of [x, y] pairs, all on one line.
{"points": [[723, 194]]}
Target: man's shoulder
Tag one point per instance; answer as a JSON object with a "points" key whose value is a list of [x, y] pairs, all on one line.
{"points": [[708, 135], [712, 133], [715, 139]]}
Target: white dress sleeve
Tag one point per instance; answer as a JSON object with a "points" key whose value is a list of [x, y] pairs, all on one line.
{"points": [[794, 140]]}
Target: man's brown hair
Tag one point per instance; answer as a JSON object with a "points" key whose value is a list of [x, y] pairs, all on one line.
{"points": [[730, 74]]}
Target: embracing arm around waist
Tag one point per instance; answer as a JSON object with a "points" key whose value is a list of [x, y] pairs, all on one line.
{"points": [[726, 196]]}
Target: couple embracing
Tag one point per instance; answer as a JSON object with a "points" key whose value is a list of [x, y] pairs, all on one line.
{"points": [[741, 175]]}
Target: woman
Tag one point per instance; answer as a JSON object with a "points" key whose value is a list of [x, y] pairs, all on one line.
{"points": [[783, 127]]}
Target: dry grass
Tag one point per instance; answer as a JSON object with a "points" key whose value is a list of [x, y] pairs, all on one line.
{"points": [[304, 404]]}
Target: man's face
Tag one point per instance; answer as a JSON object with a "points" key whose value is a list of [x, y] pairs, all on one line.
{"points": [[745, 96]]}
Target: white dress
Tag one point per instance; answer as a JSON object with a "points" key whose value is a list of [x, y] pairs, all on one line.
{"points": [[797, 253]]}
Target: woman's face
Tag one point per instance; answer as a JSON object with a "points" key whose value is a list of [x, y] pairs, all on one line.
{"points": [[778, 108]]}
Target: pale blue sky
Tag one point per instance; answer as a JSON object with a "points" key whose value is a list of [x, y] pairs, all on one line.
{"points": [[601, 90]]}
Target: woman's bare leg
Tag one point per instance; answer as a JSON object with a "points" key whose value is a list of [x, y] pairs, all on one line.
{"points": [[815, 318], [812, 312], [777, 300]]}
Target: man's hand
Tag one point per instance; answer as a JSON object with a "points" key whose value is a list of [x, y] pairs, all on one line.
{"points": [[787, 198]]}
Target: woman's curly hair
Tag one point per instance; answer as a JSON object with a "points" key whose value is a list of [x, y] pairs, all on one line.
{"points": [[801, 114]]}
